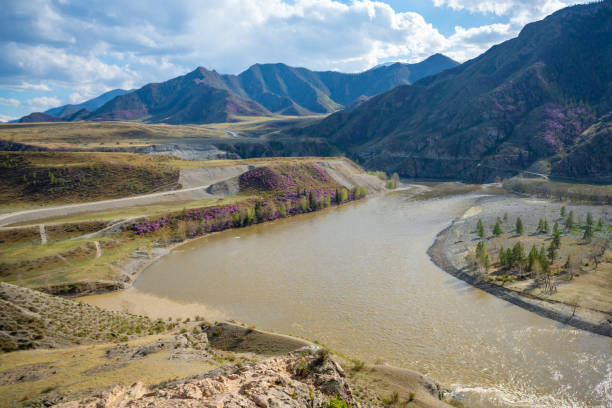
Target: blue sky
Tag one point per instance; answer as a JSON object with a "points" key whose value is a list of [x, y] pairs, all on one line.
{"points": [[54, 52]]}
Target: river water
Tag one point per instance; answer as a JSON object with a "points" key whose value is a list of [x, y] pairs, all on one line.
{"points": [[358, 279]]}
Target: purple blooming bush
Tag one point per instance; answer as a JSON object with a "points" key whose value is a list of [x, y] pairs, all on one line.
{"points": [[264, 178]]}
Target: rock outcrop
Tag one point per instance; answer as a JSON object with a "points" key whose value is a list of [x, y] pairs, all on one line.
{"points": [[305, 378]]}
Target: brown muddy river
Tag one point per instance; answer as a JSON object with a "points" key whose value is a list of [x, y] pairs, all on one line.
{"points": [[359, 280]]}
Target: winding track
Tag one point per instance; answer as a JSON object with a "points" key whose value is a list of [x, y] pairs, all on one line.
{"points": [[193, 193], [196, 181]]}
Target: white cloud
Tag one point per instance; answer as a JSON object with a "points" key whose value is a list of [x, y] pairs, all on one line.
{"points": [[9, 102], [92, 47], [26, 86], [43, 103], [7, 118], [470, 42], [520, 11]]}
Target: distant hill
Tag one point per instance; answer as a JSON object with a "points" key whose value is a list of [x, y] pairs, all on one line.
{"points": [[39, 117], [204, 96], [523, 101], [90, 105]]}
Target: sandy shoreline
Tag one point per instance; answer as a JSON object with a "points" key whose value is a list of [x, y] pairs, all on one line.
{"points": [[446, 259]]}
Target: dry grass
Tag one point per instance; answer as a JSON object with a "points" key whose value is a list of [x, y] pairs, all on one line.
{"points": [[150, 210], [31, 319], [66, 261], [104, 135], [599, 194], [69, 364]]}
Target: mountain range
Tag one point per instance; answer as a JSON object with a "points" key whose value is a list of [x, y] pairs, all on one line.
{"points": [[204, 96], [540, 101]]}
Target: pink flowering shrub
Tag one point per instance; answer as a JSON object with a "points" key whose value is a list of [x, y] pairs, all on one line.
{"points": [[561, 126], [264, 178]]}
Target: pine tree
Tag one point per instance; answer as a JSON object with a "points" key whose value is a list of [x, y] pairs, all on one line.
{"points": [[519, 226], [562, 211], [588, 233], [556, 240], [518, 253], [552, 252], [480, 228], [546, 228], [497, 230], [599, 224], [502, 257], [556, 227], [532, 258], [540, 226], [569, 222], [589, 219]]}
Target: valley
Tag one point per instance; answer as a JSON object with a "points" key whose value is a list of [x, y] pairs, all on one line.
{"points": [[387, 228]]}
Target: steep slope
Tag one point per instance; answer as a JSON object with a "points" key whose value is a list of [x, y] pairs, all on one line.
{"points": [[590, 158], [524, 100], [90, 105], [205, 96], [284, 89]]}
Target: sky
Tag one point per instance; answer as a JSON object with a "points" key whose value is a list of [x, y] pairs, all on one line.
{"points": [[54, 52]]}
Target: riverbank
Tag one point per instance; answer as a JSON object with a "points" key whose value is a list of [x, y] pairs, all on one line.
{"points": [[60, 340], [104, 250], [454, 244]]}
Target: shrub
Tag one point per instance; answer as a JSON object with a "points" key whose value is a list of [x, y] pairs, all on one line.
{"points": [[337, 402], [343, 195], [358, 365], [303, 204]]}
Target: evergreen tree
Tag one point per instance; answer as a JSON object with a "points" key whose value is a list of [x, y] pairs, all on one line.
{"points": [[540, 226], [519, 226], [589, 219], [588, 233], [543, 260], [556, 227], [482, 256], [480, 228], [505, 216], [518, 253], [563, 211], [552, 252], [497, 230], [532, 258], [502, 257], [569, 222], [546, 228], [337, 197], [599, 224], [556, 240]]}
